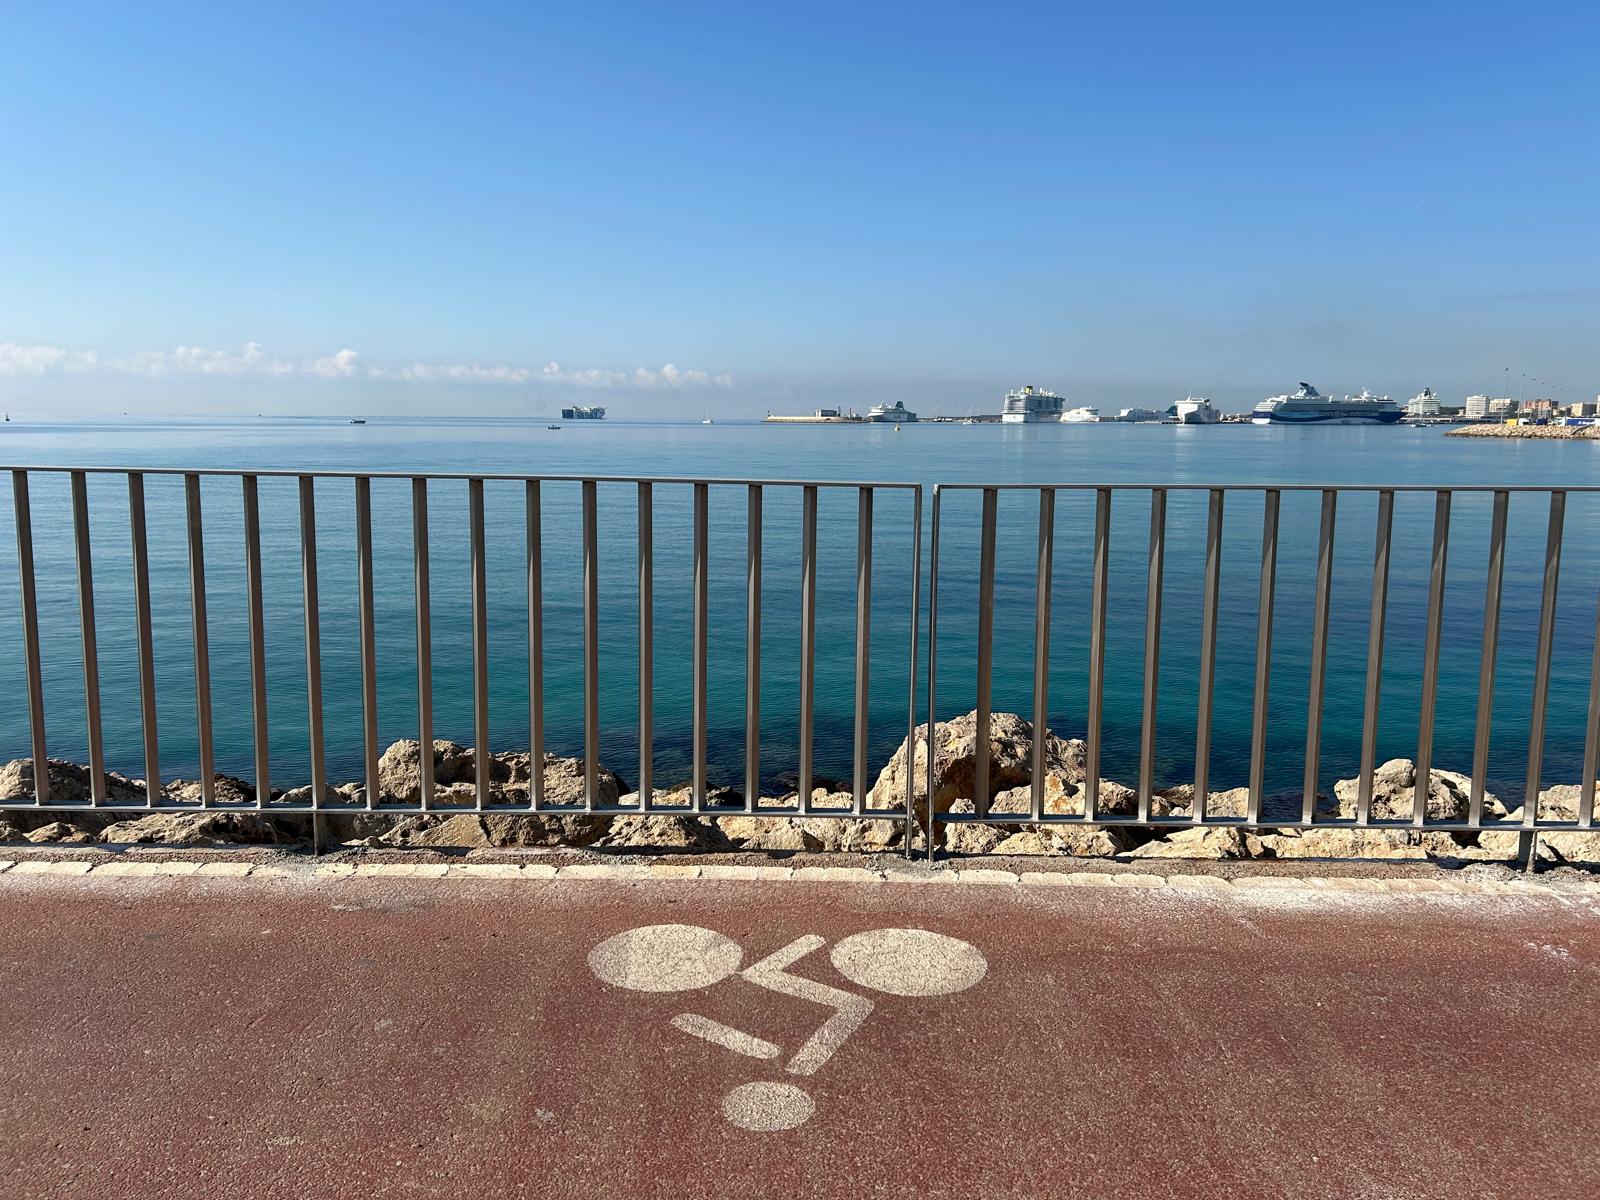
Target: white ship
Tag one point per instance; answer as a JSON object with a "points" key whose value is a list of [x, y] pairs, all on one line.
{"points": [[584, 412], [1026, 405], [1194, 410], [1080, 416], [1424, 404], [1307, 406], [1138, 415], [891, 414]]}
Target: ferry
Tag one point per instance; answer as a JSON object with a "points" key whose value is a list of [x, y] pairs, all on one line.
{"points": [[1080, 416], [1194, 410], [1307, 406], [890, 414], [1028, 405], [584, 412]]}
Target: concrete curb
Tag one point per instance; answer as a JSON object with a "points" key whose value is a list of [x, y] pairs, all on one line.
{"points": [[1193, 885]]}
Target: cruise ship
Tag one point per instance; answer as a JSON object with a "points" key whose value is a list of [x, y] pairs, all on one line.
{"points": [[891, 414], [1307, 406], [1030, 404], [1194, 410]]}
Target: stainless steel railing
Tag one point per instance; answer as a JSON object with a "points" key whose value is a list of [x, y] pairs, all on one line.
{"points": [[1216, 502], [320, 801]]}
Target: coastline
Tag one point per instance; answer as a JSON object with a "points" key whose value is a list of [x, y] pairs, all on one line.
{"points": [[1561, 433]]}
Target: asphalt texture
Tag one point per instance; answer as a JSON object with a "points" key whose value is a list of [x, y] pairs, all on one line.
{"points": [[306, 1037]]}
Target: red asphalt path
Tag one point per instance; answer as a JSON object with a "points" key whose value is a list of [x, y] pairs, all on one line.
{"points": [[185, 1037]]}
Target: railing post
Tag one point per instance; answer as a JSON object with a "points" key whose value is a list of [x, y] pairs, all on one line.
{"points": [[1375, 626], [480, 645], [1266, 597], [911, 672], [30, 636], [1043, 569], [986, 551], [202, 640], [1430, 657], [931, 748], [863, 660], [535, 546], [1319, 658], [752, 649], [255, 615], [1541, 669], [1097, 652], [701, 715], [369, 640], [313, 635], [1494, 577], [424, 611], [1208, 658], [89, 638], [146, 639], [647, 652], [591, 648], [1154, 570], [808, 638]]}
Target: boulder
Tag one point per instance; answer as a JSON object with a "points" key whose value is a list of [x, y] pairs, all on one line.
{"points": [[1342, 843], [227, 788], [1202, 843], [1393, 785], [69, 783], [1177, 802], [211, 827], [59, 833], [768, 833], [665, 831], [1010, 762]]}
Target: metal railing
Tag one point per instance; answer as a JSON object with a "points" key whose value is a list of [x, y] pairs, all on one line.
{"points": [[1145, 810], [1254, 816], [700, 799]]}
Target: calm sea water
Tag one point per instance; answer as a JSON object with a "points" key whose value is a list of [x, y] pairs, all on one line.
{"points": [[926, 453]]}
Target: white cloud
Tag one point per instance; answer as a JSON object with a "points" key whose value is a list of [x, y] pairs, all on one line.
{"points": [[254, 362]]}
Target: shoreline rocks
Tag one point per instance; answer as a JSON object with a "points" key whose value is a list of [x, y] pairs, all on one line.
{"points": [[1576, 433], [726, 827]]}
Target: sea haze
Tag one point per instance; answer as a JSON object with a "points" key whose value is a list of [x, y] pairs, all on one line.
{"points": [[1108, 453]]}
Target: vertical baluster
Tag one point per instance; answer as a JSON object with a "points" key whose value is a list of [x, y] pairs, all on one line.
{"points": [[146, 639], [985, 649], [863, 642], [931, 748], [202, 640], [1375, 627], [697, 790], [1154, 571], [1591, 740], [313, 627], [1097, 652], [591, 647], [1043, 570], [1495, 575], [1541, 669], [535, 540], [911, 672], [1319, 657], [1430, 656], [480, 644], [752, 649], [808, 638], [255, 613], [88, 633], [424, 607], [30, 636], [647, 652], [1265, 599], [369, 639], [1208, 658]]}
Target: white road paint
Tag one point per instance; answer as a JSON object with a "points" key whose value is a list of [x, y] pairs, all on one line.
{"points": [[725, 1036], [665, 958], [772, 972], [677, 958], [909, 962], [766, 1107]]}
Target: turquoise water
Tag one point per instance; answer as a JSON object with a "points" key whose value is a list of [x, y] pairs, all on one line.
{"points": [[926, 453]]}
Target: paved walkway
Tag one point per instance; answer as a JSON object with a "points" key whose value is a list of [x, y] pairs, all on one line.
{"points": [[305, 1036]]}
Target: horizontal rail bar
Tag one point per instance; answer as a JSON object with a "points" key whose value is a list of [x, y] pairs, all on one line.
{"points": [[486, 476]]}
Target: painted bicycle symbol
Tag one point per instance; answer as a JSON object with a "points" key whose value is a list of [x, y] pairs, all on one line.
{"points": [[684, 958]]}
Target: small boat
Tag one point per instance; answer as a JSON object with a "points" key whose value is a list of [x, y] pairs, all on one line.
{"points": [[552, 427], [358, 420], [708, 421]]}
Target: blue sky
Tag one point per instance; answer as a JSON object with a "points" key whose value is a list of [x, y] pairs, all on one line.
{"points": [[663, 207]]}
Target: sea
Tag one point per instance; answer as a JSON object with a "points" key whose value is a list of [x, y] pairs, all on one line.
{"points": [[734, 450]]}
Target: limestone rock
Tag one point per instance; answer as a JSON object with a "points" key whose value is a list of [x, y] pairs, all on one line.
{"points": [[1199, 843], [1393, 784], [228, 790], [768, 833], [1177, 802], [1010, 762], [1343, 843], [59, 833], [69, 783], [209, 828], [666, 832]]}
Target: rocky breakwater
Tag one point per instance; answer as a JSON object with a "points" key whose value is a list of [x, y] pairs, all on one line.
{"points": [[882, 828], [1569, 433]]}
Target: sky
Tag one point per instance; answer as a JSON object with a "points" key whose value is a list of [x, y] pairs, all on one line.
{"points": [[687, 208]]}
